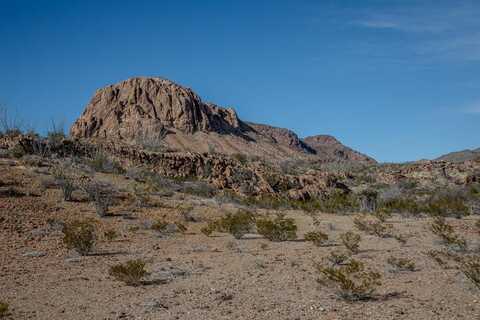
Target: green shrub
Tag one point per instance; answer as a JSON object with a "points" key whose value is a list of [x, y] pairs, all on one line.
{"points": [[131, 272], [352, 281], [351, 241], [237, 224], [317, 237], [445, 231], [401, 264], [79, 235], [3, 309], [278, 229]]}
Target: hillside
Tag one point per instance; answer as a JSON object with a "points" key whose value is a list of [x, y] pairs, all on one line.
{"points": [[460, 156]]}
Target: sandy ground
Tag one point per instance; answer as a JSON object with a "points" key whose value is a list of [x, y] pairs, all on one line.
{"points": [[209, 277]]}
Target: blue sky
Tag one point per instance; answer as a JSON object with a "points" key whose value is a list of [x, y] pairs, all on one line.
{"points": [[398, 80]]}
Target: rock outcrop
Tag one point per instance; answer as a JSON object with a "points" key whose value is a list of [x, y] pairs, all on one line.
{"points": [[148, 107]]}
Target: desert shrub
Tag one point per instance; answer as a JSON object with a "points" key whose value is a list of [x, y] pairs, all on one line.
{"points": [[32, 160], [240, 157], [3, 309], [401, 264], [237, 224], [165, 228], [102, 163], [381, 215], [351, 241], [65, 181], [278, 229], [470, 267], [17, 151], [477, 225], [373, 226], [352, 280], [131, 272], [153, 143], [401, 205], [317, 237], [100, 194], [79, 235], [445, 258], [294, 167], [110, 234], [447, 204], [10, 122], [402, 239], [56, 133], [266, 201], [368, 200], [339, 202], [199, 189], [445, 231], [159, 184], [337, 258]]}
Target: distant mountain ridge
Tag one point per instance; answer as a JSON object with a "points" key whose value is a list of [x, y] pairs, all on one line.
{"points": [[156, 111]]}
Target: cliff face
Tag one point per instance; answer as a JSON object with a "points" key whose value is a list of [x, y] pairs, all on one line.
{"points": [[159, 112]]}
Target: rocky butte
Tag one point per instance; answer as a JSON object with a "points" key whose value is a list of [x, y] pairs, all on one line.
{"points": [[158, 113]]}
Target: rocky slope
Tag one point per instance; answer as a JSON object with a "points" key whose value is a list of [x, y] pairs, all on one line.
{"points": [[331, 149], [155, 112], [460, 156]]}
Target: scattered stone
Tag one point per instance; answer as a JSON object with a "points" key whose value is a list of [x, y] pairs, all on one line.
{"points": [[34, 254]]}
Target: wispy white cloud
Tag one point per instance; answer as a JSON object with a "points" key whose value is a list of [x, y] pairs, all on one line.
{"points": [[473, 109], [434, 31]]}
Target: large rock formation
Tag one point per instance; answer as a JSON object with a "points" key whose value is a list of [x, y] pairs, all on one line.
{"points": [[147, 107], [329, 148], [158, 112]]}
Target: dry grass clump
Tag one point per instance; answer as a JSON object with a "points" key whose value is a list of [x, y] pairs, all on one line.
{"points": [[401, 264], [131, 272], [237, 224], [80, 235], [351, 241], [3, 309], [445, 231], [317, 237], [278, 229], [352, 280]]}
